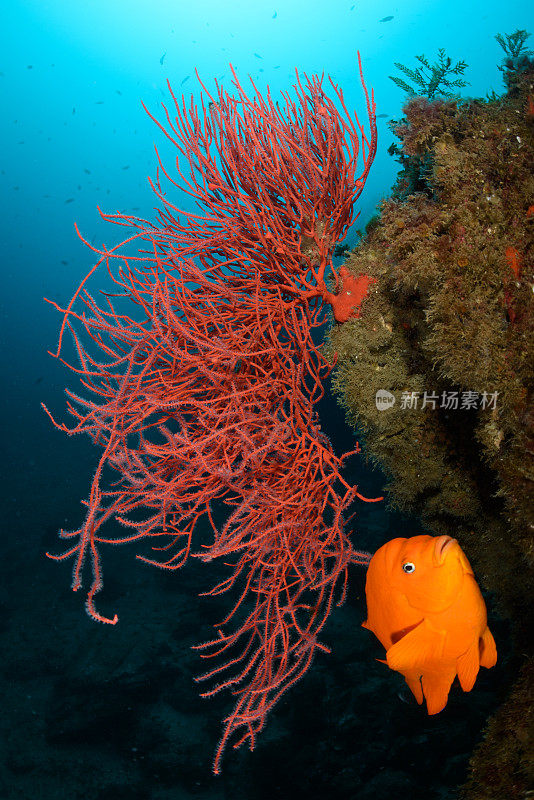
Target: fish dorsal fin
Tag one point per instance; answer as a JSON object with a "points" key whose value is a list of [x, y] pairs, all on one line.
{"points": [[419, 648]]}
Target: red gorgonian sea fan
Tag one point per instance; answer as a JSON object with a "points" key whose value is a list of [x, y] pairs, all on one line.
{"points": [[202, 396]]}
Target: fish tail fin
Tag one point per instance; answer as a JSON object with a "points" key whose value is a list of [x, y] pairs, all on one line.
{"points": [[468, 665], [488, 650], [414, 683], [436, 686]]}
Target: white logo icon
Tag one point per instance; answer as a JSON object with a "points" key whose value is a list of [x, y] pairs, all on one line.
{"points": [[384, 399]]}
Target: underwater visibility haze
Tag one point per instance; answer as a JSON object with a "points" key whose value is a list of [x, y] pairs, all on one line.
{"points": [[280, 258]]}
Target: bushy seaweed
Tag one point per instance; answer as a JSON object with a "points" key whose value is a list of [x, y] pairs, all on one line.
{"points": [[423, 122], [518, 57], [431, 80], [513, 44]]}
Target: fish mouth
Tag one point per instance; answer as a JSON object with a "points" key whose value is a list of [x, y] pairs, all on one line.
{"points": [[441, 545]]}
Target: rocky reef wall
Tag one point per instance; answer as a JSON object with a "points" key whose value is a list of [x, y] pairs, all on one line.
{"points": [[446, 339]]}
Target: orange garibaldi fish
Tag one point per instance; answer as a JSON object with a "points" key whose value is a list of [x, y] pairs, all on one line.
{"points": [[425, 607]]}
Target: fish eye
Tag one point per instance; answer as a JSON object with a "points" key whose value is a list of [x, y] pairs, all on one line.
{"points": [[408, 566]]}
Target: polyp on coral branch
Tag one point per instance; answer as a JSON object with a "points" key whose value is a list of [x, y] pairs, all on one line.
{"points": [[202, 395]]}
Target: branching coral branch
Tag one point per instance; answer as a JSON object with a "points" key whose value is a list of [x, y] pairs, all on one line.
{"points": [[202, 391]]}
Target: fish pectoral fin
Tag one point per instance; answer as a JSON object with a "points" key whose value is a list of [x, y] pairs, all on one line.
{"points": [[366, 625], [467, 666], [488, 650], [414, 682], [436, 686], [422, 645]]}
